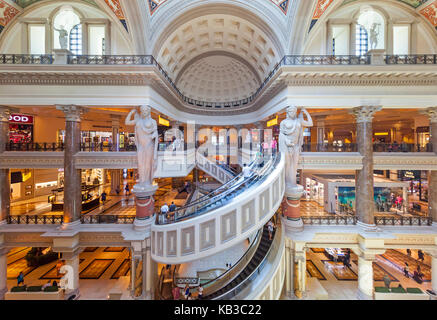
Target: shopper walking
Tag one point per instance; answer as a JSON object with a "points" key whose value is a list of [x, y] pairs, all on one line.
{"points": [[406, 270], [127, 189], [20, 279], [164, 211], [420, 255], [387, 281], [270, 227]]}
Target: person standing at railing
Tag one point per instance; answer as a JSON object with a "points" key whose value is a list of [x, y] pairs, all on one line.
{"points": [[164, 211]]}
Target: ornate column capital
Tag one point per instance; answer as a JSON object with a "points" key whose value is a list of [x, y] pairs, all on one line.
{"points": [[115, 118], [72, 113], [431, 113], [365, 113], [5, 113]]}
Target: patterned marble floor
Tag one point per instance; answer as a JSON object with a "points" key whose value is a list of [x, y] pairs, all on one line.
{"points": [[98, 268], [341, 282]]}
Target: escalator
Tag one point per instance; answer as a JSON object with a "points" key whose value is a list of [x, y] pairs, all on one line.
{"points": [[225, 193], [230, 289]]}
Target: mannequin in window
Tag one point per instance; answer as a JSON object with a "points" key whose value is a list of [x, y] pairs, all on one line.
{"points": [[63, 37]]}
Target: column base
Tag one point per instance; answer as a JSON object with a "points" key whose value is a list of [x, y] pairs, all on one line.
{"points": [[141, 225], [367, 227], [3, 292], [70, 293], [69, 226], [363, 296], [293, 224]]}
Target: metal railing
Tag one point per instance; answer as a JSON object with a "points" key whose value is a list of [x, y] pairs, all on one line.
{"points": [[35, 219], [149, 60], [380, 221], [328, 220], [403, 221], [411, 59], [269, 255], [44, 146], [26, 59], [107, 219]]}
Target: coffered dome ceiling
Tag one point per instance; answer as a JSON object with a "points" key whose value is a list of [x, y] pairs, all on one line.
{"points": [[239, 56], [218, 78]]}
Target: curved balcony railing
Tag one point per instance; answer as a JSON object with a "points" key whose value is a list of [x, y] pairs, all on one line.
{"points": [[411, 59], [380, 221], [107, 219], [313, 147], [26, 59], [35, 219], [224, 194]]}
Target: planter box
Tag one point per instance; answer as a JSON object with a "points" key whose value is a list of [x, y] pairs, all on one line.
{"points": [[401, 296], [35, 295]]}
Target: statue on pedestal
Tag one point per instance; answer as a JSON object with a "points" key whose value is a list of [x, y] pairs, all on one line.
{"points": [[291, 141], [63, 37], [146, 139], [290, 145]]}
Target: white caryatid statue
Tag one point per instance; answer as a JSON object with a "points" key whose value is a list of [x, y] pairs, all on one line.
{"points": [[291, 141], [146, 139]]}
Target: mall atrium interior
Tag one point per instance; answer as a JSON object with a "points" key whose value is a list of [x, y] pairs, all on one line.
{"points": [[218, 149]]}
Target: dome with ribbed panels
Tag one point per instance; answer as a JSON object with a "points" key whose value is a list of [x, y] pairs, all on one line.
{"points": [[218, 78]]}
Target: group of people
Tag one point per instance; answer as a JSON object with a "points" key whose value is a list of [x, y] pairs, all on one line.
{"points": [[346, 258], [187, 293], [417, 274], [167, 212], [396, 202]]}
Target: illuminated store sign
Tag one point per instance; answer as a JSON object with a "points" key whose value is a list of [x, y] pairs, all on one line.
{"points": [[163, 122], [20, 118], [272, 122]]}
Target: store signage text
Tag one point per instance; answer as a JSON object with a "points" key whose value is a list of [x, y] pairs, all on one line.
{"points": [[20, 118]]}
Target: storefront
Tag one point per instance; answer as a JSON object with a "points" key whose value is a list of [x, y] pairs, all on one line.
{"points": [[336, 192], [20, 128], [22, 184], [422, 136]]}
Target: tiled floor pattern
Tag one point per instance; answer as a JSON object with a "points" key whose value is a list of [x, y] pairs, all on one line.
{"points": [[99, 269], [342, 283], [397, 260]]}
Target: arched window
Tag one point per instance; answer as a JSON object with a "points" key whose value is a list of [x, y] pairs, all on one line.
{"points": [[361, 41], [67, 30], [76, 39], [370, 32]]}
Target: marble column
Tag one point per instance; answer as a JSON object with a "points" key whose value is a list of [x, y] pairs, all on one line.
{"points": [[320, 126], [147, 272], [434, 271], [115, 181], [228, 146], [115, 130], [3, 272], [72, 260], [300, 274], [364, 202], [5, 186], [365, 278], [289, 275], [72, 176], [239, 145], [432, 174]]}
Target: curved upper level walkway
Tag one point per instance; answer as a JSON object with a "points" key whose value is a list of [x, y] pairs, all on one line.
{"points": [[221, 221]]}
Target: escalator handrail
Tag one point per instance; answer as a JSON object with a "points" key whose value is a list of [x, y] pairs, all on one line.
{"points": [[256, 242], [254, 178], [213, 193], [258, 268]]}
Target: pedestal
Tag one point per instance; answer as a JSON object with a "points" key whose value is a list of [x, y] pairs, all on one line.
{"points": [[291, 208], [145, 205], [365, 279]]}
